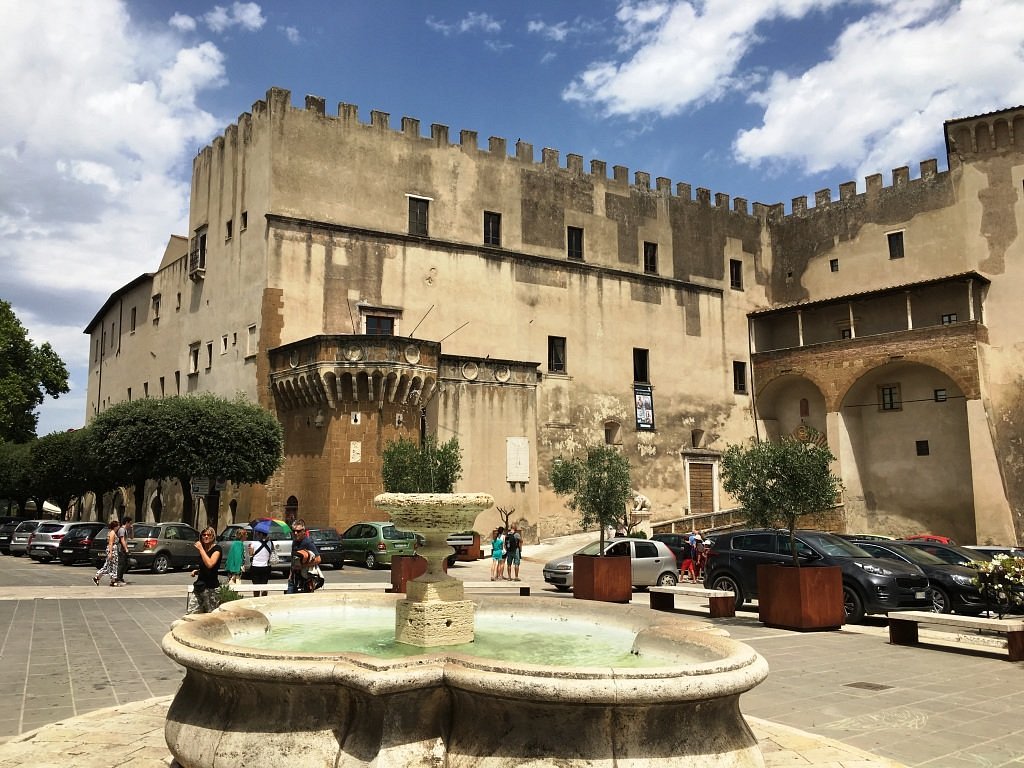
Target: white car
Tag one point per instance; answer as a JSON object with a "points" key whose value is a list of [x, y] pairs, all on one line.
{"points": [[653, 563]]}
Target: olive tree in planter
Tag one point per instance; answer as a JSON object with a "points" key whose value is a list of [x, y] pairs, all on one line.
{"points": [[598, 488], [778, 484]]}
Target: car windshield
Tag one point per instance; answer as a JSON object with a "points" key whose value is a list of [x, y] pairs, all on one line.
{"points": [[919, 556], [146, 532], [28, 525], [833, 545], [325, 534], [49, 527]]}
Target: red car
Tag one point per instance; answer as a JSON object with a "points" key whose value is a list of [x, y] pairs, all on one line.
{"points": [[931, 537]]}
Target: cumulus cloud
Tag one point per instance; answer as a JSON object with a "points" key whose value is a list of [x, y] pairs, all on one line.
{"points": [[100, 117], [471, 22], [556, 32], [182, 22], [248, 16], [292, 34]]}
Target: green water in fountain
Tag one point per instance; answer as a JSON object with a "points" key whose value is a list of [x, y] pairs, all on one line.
{"points": [[519, 639]]}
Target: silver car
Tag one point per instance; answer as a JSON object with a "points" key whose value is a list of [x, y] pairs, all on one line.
{"points": [[653, 563], [20, 537], [46, 540]]}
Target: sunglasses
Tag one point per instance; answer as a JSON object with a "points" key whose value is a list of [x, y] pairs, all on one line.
{"points": [[298, 530]]}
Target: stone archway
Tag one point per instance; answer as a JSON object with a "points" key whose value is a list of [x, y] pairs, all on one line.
{"points": [[789, 402], [905, 453]]}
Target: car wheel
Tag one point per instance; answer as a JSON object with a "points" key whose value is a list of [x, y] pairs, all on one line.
{"points": [[727, 583], [853, 606], [561, 587], [940, 601], [370, 561], [161, 563], [667, 580], [17, 554]]}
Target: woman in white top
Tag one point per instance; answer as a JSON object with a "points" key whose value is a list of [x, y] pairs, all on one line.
{"points": [[259, 556]]}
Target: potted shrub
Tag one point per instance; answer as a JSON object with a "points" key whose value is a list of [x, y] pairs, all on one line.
{"points": [[597, 488], [778, 485]]}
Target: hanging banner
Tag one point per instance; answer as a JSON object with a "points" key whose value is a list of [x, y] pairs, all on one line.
{"points": [[644, 396]]}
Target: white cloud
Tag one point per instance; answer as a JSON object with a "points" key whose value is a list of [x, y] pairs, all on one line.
{"points": [[182, 22], [100, 118], [893, 77], [248, 16], [556, 32], [472, 22], [292, 34]]}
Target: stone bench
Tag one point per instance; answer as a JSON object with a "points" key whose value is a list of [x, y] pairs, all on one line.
{"points": [[903, 627], [722, 603]]}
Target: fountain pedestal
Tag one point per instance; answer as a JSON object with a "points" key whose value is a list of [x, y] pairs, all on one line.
{"points": [[434, 613]]}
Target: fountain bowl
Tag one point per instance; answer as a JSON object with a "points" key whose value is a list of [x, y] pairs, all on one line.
{"points": [[240, 705]]}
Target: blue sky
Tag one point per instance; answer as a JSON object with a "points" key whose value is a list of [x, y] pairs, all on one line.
{"points": [[107, 102]]}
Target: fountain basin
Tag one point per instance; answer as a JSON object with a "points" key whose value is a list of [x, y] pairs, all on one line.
{"points": [[240, 705]]}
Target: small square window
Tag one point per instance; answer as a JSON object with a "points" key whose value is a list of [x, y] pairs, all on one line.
{"points": [[129, 394], [131, 328], [556, 354], [845, 333], [193, 358], [418, 216], [889, 398], [736, 274], [833, 265], [250, 341], [177, 382], [940, 395], [949, 318], [739, 377], [641, 358], [895, 245], [145, 389], [922, 447], [379, 325], [574, 243], [651, 258], [492, 228], [161, 386]]}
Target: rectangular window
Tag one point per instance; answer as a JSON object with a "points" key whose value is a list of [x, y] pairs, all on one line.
{"points": [[640, 361], [131, 321], [949, 318], [250, 341], [145, 389], [833, 265], [162, 386], [940, 395], [129, 394], [156, 309], [739, 377], [492, 228], [229, 226], [922, 447], [736, 274], [243, 222], [889, 398], [379, 325], [895, 245], [574, 243], [177, 306], [845, 333], [556, 354], [177, 382], [197, 254], [193, 358], [112, 335], [418, 216], [96, 354], [651, 258], [209, 355], [224, 345]]}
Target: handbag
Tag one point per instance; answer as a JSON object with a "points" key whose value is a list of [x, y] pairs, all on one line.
{"points": [[275, 559], [314, 578]]}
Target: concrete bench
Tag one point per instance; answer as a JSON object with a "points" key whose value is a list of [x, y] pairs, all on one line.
{"points": [[903, 628], [722, 603]]}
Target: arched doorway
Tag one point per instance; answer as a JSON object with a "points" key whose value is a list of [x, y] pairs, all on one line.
{"points": [[291, 510]]}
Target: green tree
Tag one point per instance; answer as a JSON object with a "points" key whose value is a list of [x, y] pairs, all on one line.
{"points": [[14, 469], [779, 483], [598, 486], [58, 465], [129, 440], [427, 468], [27, 374]]}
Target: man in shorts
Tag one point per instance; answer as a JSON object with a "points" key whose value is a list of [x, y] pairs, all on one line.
{"points": [[513, 553], [124, 532]]}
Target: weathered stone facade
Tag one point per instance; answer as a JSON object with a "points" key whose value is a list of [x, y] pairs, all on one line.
{"points": [[544, 302]]}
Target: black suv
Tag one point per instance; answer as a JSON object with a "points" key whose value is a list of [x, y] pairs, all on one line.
{"points": [[870, 585], [679, 543], [328, 544]]}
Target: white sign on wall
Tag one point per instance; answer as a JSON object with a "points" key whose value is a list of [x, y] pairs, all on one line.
{"points": [[517, 460], [355, 452]]}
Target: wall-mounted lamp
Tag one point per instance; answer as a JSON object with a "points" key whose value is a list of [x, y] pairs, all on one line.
{"points": [[318, 420]]}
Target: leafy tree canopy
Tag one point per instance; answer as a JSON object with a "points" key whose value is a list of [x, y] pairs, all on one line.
{"points": [[778, 483], [427, 468], [60, 466], [27, 374], [14, 468], [597, 485]]}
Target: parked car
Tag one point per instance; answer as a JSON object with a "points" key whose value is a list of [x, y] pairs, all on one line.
{"points": [[328, 543], [950, 553], [870, 585], [652, 563], [679, 543], [74, 547], [990, 550], [19, 539], [375, 543], [46, 540], [952, 586], [280, 539], [865, 537], [161, 547], [930, 537], [6, 531]]}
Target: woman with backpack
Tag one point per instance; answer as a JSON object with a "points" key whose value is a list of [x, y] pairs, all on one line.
{"points": [[259, 557]]}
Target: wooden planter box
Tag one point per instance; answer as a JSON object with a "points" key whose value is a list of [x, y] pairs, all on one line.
{"points": [[609, 579], [806, 599], [404, 568]]}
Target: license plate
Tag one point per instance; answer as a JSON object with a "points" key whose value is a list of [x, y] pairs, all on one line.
{"points": [[67, 551], [920, 595], [327, 549]]}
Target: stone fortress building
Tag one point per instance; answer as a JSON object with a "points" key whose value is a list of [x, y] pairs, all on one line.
{"points": [[364, 282]]}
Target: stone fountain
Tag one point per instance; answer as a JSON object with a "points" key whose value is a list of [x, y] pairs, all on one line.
{"points": [[264, 681]]}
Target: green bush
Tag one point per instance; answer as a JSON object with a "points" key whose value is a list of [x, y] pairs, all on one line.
{"points": [[427, 468], [227, 594]]}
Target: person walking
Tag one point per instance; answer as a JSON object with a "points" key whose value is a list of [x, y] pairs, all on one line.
{"points": [[513, 553], [109, 566], [206, 586], [305, 555], [259, 558], [497, 553], [236, 556], [124, 532]]}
